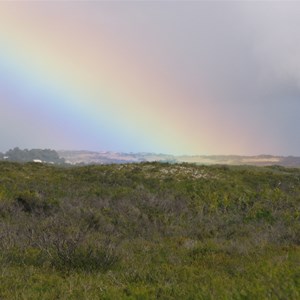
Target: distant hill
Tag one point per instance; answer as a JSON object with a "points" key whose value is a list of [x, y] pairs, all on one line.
{"points": [[75, 157], [89, 157]]}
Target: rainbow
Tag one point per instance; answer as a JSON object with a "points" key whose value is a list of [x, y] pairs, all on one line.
{"points": [[82, 86]]}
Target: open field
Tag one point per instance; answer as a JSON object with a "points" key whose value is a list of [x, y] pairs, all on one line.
{"points": [[149, 231]]}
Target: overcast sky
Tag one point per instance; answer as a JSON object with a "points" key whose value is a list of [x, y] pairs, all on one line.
{"points": [[233, 66]]}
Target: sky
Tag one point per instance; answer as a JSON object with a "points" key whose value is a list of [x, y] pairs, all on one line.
{"points": [[176, 77]]}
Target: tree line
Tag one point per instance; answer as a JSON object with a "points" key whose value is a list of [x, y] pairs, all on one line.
{"points": [[38, 155]]}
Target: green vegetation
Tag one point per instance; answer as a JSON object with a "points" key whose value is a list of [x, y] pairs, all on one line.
{"points": [[149, 231]]}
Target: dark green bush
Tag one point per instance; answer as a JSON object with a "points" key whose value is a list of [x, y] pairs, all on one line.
{"points": [[32, 202]]}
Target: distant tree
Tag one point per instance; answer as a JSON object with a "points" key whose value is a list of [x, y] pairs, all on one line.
{"points": [[45, 155], [17, 154]]}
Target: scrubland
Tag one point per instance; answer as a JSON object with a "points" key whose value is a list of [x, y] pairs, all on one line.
{"points": [[149, 231]]}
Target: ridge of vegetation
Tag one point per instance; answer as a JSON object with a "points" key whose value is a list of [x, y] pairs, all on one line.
{"points": [[149, 231]]}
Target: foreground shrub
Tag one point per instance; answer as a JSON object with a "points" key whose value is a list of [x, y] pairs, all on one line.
{"points": [[149, 231]]}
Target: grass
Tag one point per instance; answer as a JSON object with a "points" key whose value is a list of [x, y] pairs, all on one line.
{"points": [[149, 231]]}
